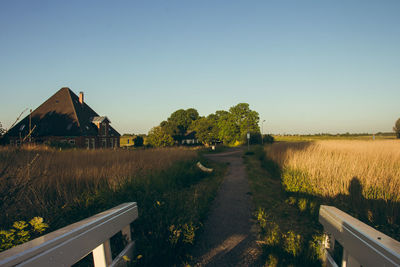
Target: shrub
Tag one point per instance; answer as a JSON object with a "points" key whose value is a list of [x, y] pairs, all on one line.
{"points": [[21, 232]]}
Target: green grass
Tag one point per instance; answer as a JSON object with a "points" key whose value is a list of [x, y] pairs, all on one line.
{"points": [[289, 229]]}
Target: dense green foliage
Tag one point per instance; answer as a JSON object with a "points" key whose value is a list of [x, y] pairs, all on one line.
{"points": [[396, 128], [229, 127], [158, 137], [179, 122], [206, 130]]}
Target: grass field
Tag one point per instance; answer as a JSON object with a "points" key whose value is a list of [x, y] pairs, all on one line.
{"points": [[307, 138], [289, 236], [290, 180], [63, 187]]}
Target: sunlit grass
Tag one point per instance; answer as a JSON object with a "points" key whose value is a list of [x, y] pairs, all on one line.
{"points": [[301, 138], [329, 166], [360, 177]]}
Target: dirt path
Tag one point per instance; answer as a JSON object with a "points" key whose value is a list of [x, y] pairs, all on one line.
{"points": [[228, 238]]}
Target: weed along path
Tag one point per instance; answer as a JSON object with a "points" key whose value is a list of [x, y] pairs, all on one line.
{"points": [[228, 238]]}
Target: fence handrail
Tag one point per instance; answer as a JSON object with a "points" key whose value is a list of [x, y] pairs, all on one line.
{"points": [[362, 244], [68, 245]]}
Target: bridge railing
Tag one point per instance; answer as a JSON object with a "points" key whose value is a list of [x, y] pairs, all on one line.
{"points": [[68, 245], [362, 244]]}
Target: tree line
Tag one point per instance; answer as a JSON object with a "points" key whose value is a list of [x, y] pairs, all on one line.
{"points": [[229, 127]]}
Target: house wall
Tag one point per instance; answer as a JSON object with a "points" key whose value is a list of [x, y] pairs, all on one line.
{"points": [[88, 142], [127, 141]]}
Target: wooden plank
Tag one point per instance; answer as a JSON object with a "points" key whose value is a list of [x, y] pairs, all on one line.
{"points": [[69, 244], [366, 245]]}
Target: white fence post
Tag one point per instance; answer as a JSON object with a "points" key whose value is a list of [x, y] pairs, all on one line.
{"points": [[102, 256], [68, 245], [126, 233], [362, 244]]}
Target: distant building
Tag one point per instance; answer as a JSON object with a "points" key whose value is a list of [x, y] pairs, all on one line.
{"points": [[190, 138], [127, 140], [65, 118]]}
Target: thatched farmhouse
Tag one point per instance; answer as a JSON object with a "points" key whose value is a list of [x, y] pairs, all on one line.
{"points": [[65, 118]]}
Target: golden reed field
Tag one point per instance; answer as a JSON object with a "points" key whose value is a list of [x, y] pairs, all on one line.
{"points": [[332, 164], [359, 177], [39, 179]]}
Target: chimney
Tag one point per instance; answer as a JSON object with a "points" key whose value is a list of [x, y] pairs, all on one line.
{"points": [[81, 97]]}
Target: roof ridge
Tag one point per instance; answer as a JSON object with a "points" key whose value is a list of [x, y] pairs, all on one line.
{"points": [[73, 108]]}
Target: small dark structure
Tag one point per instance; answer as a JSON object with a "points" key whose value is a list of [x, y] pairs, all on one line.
{"points": [[65, 118], [190, 138]]}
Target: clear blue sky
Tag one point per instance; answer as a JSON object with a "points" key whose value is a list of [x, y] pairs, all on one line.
{"points": [[305, 66]]}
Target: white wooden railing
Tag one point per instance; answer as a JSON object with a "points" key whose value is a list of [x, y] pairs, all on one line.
{"points": [[362, 244], [68, 245]]}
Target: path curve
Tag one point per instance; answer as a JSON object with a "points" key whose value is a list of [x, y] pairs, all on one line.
{"points": [[229, 236]]}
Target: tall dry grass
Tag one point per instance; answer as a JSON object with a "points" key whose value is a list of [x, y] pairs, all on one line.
{"points": [[359, 177], [330, 166], [37, 180]]}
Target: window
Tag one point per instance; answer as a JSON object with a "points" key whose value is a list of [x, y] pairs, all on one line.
{"points": [[11, 142], [103, 143], [22, 127], [69, 126], [104, 128], [111, 142], [128, 140], [93, 143], [71, 141], [87, 143], [18, 142]]}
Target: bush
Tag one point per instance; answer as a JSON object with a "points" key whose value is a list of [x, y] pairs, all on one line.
{"points": [[268, 139], [396, 128], [21, 232]]}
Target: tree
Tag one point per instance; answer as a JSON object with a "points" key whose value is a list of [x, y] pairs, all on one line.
{"points": [[179, 122], [245, 118], [229, 131], [206, 130], [2, 131], [157, 137], [396, 128]]}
